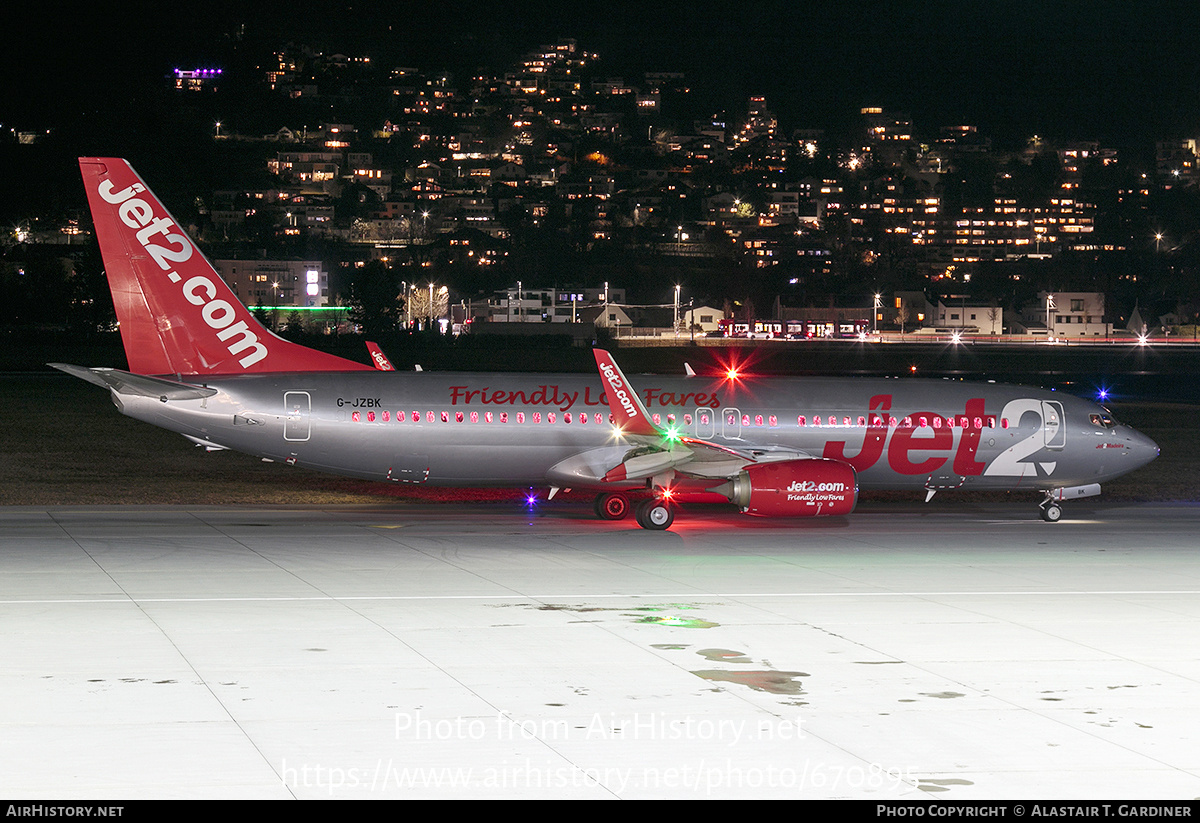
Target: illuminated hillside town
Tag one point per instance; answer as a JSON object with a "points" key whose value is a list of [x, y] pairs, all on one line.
{"points": [[338, 194]]}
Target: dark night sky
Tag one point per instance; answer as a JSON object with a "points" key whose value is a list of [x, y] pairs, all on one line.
{"points": [[1120, 72]]}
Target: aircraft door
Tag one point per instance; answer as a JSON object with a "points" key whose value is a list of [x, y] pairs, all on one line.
{"points": [[297, 408], [706, 423], [732, 418], [1053, 425]]}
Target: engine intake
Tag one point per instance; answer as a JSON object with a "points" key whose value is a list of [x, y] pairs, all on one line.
{"points": [[813, 487]]}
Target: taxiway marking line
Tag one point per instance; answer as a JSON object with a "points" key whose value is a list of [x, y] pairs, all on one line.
{"points": [[582, 597]]}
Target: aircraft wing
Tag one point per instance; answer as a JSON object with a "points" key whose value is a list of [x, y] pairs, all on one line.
{"points": [[711, 460]]}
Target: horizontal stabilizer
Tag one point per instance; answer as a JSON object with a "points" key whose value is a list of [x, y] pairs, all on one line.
{"points": [[210, 446], [123, 382]]}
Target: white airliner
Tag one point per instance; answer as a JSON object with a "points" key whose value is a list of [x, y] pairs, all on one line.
{"points": [[201, 365]]}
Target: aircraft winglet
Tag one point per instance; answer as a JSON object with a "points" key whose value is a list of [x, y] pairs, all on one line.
{"points": [[378, 357], [631, 416]]}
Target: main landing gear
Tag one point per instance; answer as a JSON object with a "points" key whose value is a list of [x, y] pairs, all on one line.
{"points": [[653, 514], [610, 506]]}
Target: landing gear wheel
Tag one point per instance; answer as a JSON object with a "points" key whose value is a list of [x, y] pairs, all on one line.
{"points": [[611, 506], [655, 515], [1051, 512]]}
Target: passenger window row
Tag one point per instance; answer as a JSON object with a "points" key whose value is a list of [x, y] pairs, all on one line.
{"points": [[772, 421]]}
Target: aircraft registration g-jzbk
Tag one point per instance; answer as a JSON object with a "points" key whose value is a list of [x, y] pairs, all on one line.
{"points": [[201, 365]]}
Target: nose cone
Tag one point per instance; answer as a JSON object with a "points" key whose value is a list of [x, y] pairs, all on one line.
{"points": [[1141, 448]]}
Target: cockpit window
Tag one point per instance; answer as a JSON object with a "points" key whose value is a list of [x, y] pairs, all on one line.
{"points": [[1103, 420]]}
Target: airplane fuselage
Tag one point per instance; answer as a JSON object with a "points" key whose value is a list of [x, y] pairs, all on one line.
{"points": [[489, 429]]}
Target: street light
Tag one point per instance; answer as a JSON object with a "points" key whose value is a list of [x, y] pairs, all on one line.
{"points": [[677, 287], [875, 314]]}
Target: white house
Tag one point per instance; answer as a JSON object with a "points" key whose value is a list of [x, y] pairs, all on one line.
{"points": [[981, 319], [703, 318], [1070, 313]]}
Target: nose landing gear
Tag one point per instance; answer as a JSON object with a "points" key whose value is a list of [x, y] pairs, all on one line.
{"points": [[1050, 510]]}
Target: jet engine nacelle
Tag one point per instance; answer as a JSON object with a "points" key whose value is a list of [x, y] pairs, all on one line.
{"points": [[814, 487]]}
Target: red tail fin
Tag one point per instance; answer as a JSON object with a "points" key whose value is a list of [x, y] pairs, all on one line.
{"points": [[177, 315]]}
